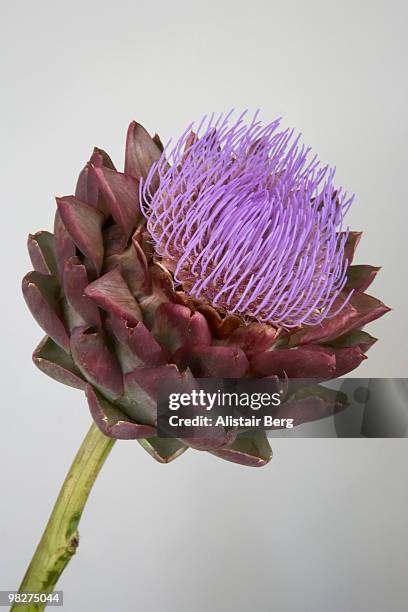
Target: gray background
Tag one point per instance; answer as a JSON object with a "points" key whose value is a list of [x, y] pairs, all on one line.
{"points": [[324, 526]]}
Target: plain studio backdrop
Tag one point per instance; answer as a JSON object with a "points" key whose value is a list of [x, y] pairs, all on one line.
{"points": [[324, 526]]}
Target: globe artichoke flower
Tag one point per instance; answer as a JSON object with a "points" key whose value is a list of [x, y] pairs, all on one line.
{"points": [[223, 256]]}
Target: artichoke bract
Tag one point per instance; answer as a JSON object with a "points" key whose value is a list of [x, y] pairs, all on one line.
{"points": [[223, 257]]}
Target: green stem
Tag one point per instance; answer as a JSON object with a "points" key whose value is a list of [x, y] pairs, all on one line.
{"points": [[60, 538]]}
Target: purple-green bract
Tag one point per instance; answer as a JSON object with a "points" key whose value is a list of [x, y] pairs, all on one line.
{"points": [[250, 222]]}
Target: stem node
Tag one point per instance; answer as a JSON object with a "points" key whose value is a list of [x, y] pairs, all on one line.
{"points": [[60, 539]]}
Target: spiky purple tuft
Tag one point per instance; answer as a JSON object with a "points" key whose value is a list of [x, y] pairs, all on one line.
{"points": [[249, 223]]}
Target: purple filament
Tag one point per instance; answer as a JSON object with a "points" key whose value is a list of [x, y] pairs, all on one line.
{"points": [[249, 223]]}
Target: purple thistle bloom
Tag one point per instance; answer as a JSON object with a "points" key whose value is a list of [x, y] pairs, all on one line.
{"points": [[249, 223]]}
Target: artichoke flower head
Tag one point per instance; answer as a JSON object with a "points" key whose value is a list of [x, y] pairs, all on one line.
{"points": [[223, 255]]}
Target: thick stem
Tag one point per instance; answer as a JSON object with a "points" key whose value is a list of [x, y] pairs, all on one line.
{"points": [[60, 538]]}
